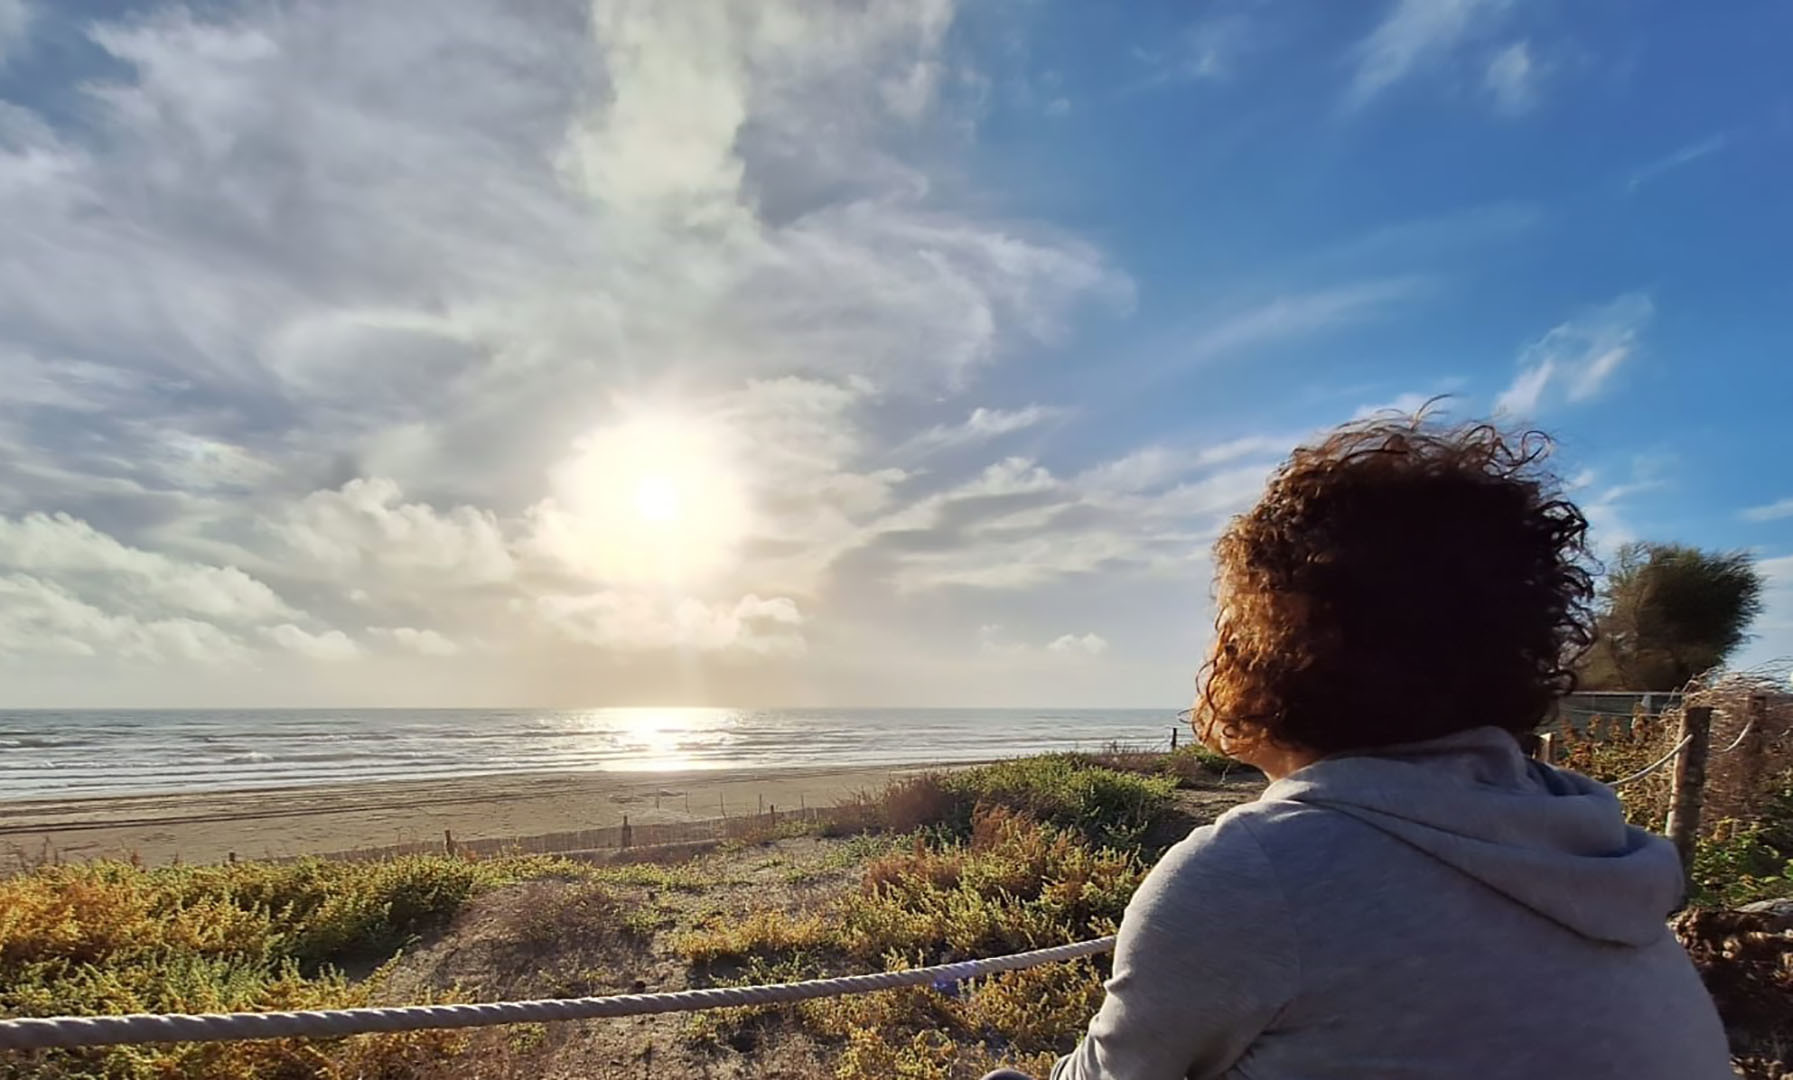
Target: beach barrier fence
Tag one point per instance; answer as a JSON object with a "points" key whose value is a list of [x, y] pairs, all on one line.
{"points": [[615, 837]]}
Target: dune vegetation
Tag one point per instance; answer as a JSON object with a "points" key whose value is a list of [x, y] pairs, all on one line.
{"points": [[1017, 855]]}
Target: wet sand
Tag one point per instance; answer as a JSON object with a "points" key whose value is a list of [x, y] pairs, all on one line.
{"points": [[208, 826]]}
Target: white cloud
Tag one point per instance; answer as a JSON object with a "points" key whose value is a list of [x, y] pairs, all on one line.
{"points": [[1208, 50], [15, 28], [1575, 360], [1686, 155], [369, 395], [422, 642], [997, 642], [40, 618], [1774, 511], [981, 426], [1300, 314], [78, 555], [332, 645], [1773, 631], [1079, 645], [366, 525], [1413, 35], [1512, 79], [635, 622], [1407, 404]]}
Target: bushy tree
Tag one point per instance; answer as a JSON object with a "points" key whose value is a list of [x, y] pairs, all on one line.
{"points": [[1669, 613]]}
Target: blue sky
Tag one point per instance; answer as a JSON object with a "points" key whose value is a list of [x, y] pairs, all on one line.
{"points": [[808, 353]]}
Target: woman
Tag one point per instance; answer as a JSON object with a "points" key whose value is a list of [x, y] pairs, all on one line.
{"points": [[1411, 896]]}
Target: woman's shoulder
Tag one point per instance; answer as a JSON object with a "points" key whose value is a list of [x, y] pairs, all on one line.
{"points": [[1250, 838]]}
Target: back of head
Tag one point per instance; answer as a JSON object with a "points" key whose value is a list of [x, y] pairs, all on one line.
{"points": [[1398, 581]]}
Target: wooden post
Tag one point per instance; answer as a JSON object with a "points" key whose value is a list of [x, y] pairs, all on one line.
{"points": [[1750, 747], [233, 858], [762, 803], [1683, 825], [687, 804], [1173, 739], [721, 806], [628, 833], [447, 843]]}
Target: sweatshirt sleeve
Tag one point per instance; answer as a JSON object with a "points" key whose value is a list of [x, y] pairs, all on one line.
{"points": [[1204, 962]]}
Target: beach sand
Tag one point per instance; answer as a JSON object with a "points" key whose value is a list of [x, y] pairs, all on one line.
{"points": [[205, 827]]}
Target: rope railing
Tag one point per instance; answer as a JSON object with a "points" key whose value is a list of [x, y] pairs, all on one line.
{"points": [[1654, 765], [1680, 746], [30, 1033]]}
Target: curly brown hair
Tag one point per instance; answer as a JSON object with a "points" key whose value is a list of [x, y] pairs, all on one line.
{"points": [[1398, 581]]}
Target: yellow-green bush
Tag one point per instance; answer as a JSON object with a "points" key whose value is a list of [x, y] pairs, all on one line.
{"points": [[110, 937], [1013, 884]]}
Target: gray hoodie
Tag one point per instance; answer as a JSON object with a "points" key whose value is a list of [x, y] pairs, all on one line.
{"points": [[1447, 909]]}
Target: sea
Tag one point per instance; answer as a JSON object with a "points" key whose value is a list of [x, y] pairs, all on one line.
{"points": [[72, 754]]}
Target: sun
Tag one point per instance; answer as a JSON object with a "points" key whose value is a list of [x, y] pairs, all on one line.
{"points": [[648, 496], [657, 499]]}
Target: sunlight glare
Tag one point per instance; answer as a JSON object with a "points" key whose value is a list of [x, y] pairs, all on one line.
{"points": [[657, 499], [652, 496]]}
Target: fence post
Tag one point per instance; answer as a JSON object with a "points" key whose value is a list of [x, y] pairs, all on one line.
{"points": [[627, 834], [1173, 739], [1683, 825], [1751, 748], [448, 843]]}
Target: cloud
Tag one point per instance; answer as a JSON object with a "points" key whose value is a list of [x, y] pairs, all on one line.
{"points": [[995, 640], [93, 563], [1778, 510], [1209, 49], [1772, 634], [981, 426], [1512, 79], [1603, 503], [331, 645], [1019, 526], [422, 642], [15, 28], [1575, 360], [1079, 645], [1299, 314], [306, 361], [1413, 35], [40, 618], [366, 525], [625, 622], [1686, 155]]}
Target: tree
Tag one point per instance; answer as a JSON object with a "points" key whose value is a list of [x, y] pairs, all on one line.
{"points": [[1669, 613]]}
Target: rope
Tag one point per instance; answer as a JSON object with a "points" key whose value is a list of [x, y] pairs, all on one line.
{"points": [[1653, 766], [28, 1033], [1680, 746], [1738, 741]]}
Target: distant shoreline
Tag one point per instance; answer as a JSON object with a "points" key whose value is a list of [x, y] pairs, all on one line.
{"points": [[209, 826]]}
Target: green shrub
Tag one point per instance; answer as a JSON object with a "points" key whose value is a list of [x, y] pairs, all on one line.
{"points": [[110, 937], [1012, 884]]}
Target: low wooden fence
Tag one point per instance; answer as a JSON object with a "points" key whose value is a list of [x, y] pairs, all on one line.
{"points": [[614, 837]]}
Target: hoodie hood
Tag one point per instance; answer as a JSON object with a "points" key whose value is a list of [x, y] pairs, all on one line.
{"points": [[1550, 840]]}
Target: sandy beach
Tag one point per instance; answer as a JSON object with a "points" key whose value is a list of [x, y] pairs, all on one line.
{"points": [[209, 826]]}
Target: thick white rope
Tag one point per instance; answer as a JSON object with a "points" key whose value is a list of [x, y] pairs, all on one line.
{"points": [[28, 1033], [1654, 765], [1680, 746], [1738, 741]]}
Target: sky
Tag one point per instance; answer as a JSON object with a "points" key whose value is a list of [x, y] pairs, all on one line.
{"points": [[469, 352]]}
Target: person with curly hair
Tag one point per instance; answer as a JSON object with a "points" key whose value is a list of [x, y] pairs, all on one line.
{"points": [[1411, 896]]}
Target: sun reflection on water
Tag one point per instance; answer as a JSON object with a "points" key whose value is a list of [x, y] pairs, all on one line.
{"points": [[663, 739]]}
